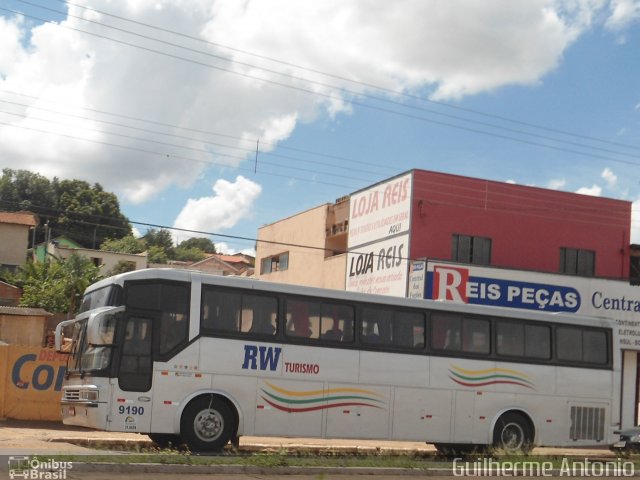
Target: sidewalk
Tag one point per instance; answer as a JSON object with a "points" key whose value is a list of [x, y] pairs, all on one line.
{"points": [[18, 437]]}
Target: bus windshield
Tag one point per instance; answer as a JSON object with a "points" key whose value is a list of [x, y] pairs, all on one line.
{"points": [[87, 356], [103, 297]]}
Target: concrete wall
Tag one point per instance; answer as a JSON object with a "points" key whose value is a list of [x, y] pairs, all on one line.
{"points": [[14, 243], [22, 329]]}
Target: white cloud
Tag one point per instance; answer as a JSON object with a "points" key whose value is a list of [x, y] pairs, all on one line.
{"points": [[557, 184], [623, 13], [231, 203], [594, 190], [609, 177], [224, 248], [413, 45]]}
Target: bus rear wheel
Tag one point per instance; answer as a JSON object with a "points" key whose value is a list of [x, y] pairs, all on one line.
{"points": [[207, 424], [512, 433]]}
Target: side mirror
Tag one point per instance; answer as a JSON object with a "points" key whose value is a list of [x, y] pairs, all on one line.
{"points": [[60, 348], [101, 326]]}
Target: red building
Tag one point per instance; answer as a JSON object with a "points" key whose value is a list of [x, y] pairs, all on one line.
{"points": [[437, 216], [506, 225]]}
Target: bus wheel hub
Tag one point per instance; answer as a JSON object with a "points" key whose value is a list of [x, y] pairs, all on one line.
{"points": [[208, 425]]}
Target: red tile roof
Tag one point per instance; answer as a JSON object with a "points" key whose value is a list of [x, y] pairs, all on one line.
{"points": [[18, 218]]}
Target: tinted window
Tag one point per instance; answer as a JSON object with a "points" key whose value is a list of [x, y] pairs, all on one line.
{"points": [[170, 302], [569, 344], [446, 331], [259, 314], [537, 340], [135, 360], [515, 339], [594, 347], [337, 323], [234, 312], [510, 339], [475, 335], [398, 329]]}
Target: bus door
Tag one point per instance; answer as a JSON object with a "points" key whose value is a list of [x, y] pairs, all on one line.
{"points": [[131, 400], [629, 388]]}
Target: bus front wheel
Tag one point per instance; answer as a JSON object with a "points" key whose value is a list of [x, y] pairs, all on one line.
{"points": [[513, 432], [207, 424]]}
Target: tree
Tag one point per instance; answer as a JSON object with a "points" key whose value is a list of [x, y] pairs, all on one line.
{"points": [[188, 254], [200, 243], [74, 208], [56, 285], [156, 254], [128, 244], [122, 266]]}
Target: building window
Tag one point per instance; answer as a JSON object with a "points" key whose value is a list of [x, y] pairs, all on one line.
{"points": [[468, 249], [577, 262], [275, 264]]}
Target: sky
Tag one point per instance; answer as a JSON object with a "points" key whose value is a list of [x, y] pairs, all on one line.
{"points": [[221, 116]]}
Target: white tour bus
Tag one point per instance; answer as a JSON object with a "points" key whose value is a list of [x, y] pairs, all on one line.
{"points": [[205, 359]]}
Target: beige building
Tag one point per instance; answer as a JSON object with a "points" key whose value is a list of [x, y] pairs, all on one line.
{"points": [[14, 237], [105, 260], [306, 249]]}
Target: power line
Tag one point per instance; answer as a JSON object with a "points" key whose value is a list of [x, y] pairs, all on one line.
{"points": [[338, 77], [165, 134], [335, 98], [178, 157], [195, 130]]}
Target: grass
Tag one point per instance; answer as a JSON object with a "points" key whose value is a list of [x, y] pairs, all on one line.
{"points": [[325, 459]]}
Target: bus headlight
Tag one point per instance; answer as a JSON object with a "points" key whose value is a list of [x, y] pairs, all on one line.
{"points": [[89, 395]]}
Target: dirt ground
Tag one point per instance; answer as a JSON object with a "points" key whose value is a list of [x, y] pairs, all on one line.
{"points": [[33, 437]]}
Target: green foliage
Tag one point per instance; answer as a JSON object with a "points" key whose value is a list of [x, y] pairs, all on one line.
{"points": [[128, 244], [188, 254], [159, 247], [74, 208], [156, 254], [203, 244], [56, 285], [122, 266], [159, 238]]}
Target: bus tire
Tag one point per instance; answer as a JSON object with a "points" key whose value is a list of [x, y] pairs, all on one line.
{"points": [[513, 432], [165, 440], [207, 424]]}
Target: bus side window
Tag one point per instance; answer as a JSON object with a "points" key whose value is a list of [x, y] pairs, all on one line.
{"points": [[445, 331], [377, 327], [475, 335], [259, 314], [220, 310], [336, 324], [409, 330], [303, 319]]}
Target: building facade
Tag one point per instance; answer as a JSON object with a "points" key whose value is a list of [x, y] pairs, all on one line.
{"points": [[14, 238], [306, 249], [429, 215]]}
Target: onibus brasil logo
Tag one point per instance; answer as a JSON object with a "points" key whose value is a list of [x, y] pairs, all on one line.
{"points": [[35, 468]]}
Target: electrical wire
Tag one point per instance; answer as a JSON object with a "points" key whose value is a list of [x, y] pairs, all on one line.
{"points": [[337, 98]]}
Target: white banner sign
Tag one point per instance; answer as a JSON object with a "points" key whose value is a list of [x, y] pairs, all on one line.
{"points": [[379, 268], [380, 211]]}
